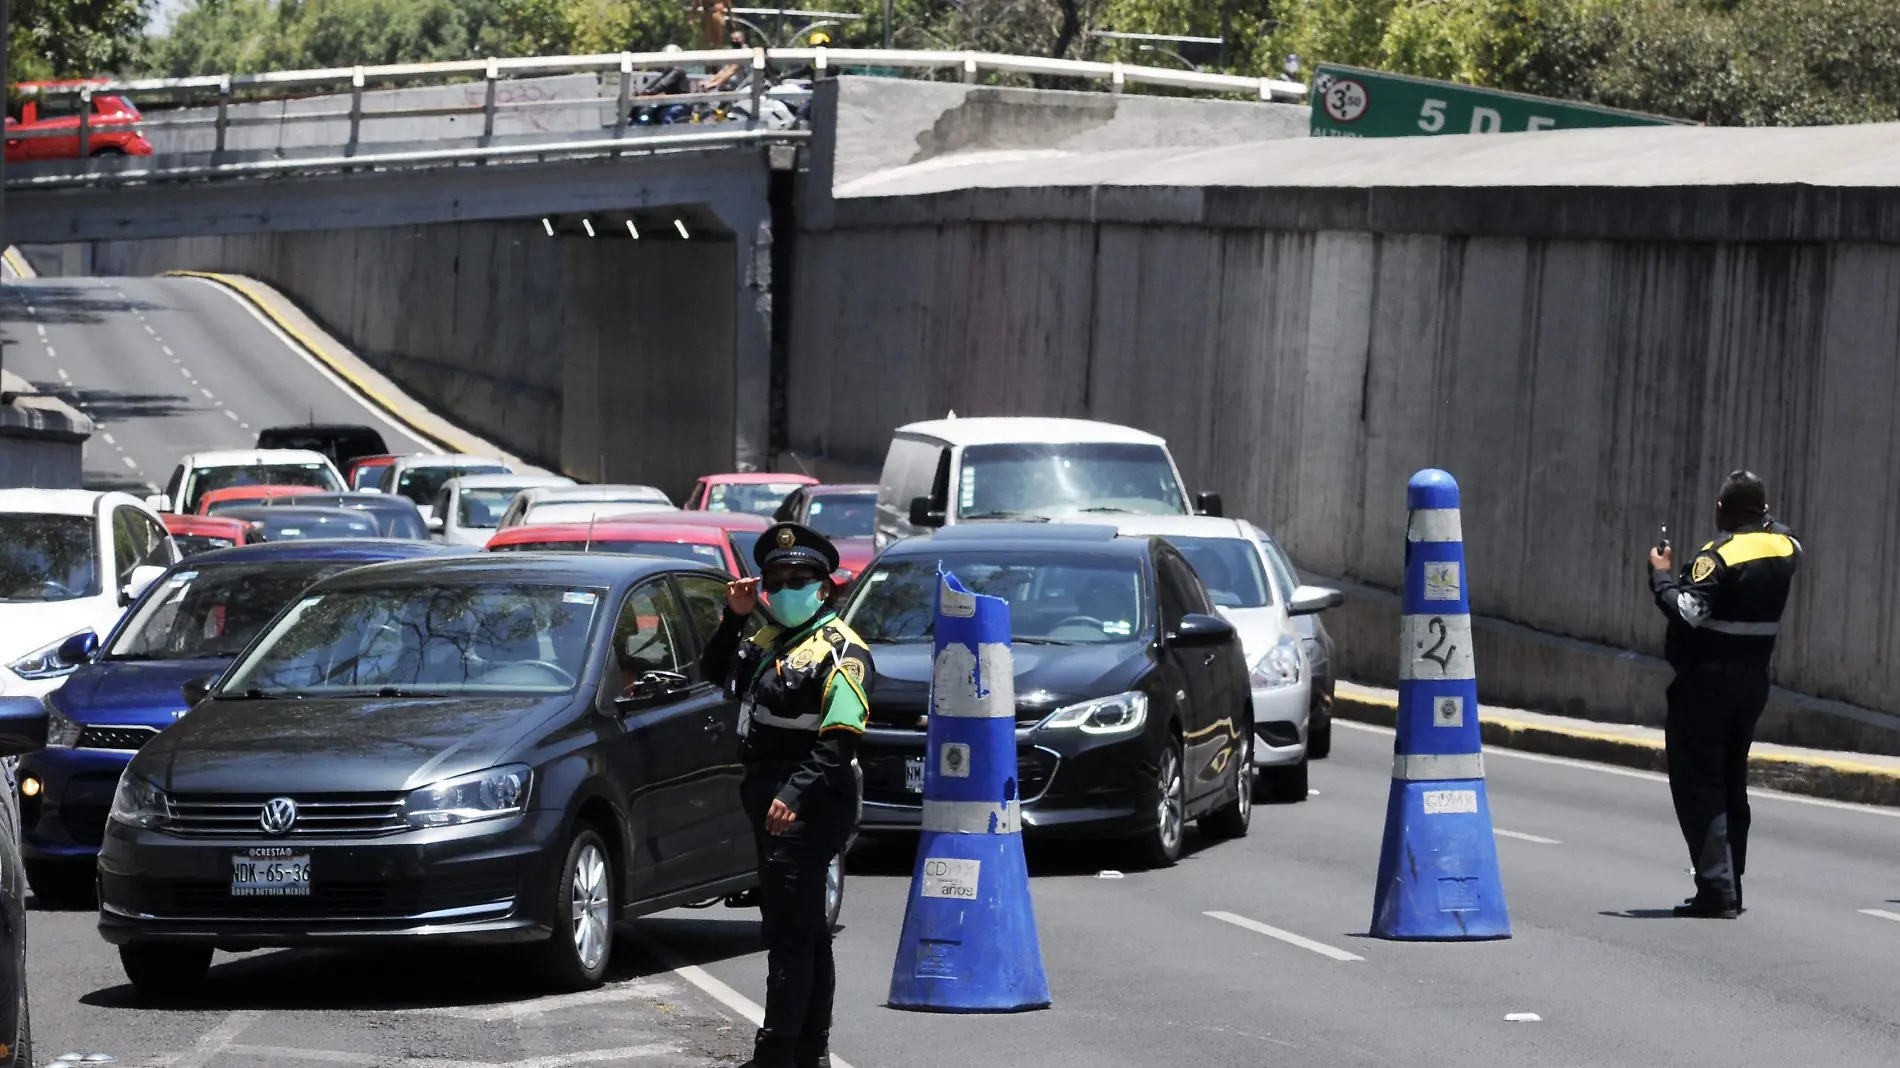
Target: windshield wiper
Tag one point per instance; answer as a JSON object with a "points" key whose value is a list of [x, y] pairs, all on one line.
{"points": [[1043, 641], [252, 694], [1110, 508], [1027, 517], [389, 691]]}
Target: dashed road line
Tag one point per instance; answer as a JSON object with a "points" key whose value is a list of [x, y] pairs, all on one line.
{"points": [[129, 462], [233, 415], [1882, 914], [184, 372], [41, 327], [205, 391], [1288, 937], [217, 1040], [711, 985], [328, 1056], [168, 350], [110, 440], [1522, 837], [148, 329]]}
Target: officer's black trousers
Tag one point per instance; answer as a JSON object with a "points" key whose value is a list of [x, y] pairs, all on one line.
{"points": [[1713, 709], [800, 976]]}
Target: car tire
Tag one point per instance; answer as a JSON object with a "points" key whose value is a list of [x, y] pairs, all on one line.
{"points": [[1232, 819], [1160, 846], [1319, 741], [61, 885], [23, 1046], [834, 891], [163, 972], [575, 956], [1285, 785]]}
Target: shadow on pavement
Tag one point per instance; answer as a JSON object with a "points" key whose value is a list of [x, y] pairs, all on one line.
{"points": [[895, 854], [1641, 914], [112, 406], [63, 302], [721, 934]]}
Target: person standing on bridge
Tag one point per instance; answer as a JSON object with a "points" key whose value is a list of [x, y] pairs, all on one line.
{"points": [[1724, 611], [801, 680]]}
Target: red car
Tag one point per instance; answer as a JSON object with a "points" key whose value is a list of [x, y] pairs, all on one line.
{"points": [[365, 471], [196, 534], [744, 527], [233, 496], [847, 514], [110, 130], [755, 492], [699, 542]]}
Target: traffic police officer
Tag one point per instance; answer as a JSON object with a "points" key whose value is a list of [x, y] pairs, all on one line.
{"points": [[1724, 610], [801, 679]]}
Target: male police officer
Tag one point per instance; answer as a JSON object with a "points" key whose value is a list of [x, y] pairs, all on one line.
{"points": [[801, 680], [1724, 611]]}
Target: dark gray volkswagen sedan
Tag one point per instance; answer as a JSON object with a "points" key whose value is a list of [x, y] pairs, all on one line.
{"points": [[514, 748]]}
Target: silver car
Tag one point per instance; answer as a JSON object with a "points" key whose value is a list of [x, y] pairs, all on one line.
{"points": [[470, 506], [1253, 585]]}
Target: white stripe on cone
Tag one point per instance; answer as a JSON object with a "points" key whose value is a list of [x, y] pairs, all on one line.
{"points": [[973, 817], [1436, 647], [1435, 524]]}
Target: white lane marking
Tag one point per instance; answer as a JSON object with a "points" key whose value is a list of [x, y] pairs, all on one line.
{"points": [[41, 327], [52, 353], [1522, 837], [217, 1040], [331, 1056], [554, 1060], [184, 372], [148, 328], [711, 985], [110, 440], [1288, 937], [205, 391], [629, 991], [1882, 913], [348, 390], [232, 414], [1649, 776], [168, 350], [63, 376], [129, 462]]}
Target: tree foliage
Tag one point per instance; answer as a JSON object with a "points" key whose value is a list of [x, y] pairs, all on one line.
{"points": [[67, 38]]}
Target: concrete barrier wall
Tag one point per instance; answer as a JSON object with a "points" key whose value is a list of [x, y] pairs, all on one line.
{"points": [[504, 330], [1583, 391]]}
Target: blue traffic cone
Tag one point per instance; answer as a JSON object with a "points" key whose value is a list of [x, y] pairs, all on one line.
{"points": [[969, 941], [1438, 866]]}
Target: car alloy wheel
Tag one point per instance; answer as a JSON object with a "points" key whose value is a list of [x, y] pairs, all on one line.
{"points": [[1161, 847], [1232, 818], [834, 890], [592, 907]]}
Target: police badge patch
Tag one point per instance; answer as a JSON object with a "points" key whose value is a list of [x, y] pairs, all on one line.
{"points": [[854, 668], [1703, 567]]}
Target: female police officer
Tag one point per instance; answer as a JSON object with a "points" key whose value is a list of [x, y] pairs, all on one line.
{"points": [[801, 680]]}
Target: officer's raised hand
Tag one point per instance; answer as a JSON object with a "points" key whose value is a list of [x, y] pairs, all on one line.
{"points": [[742, 596], [1662, 559]]}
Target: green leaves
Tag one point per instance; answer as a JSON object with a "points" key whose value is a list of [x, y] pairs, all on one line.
{"points": [[71, 38]]}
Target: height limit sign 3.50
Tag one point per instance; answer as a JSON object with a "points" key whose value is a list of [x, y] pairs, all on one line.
{"points": [[1350, 102]]}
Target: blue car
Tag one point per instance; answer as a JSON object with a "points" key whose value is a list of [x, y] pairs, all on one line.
{"points": [[188, 625]]}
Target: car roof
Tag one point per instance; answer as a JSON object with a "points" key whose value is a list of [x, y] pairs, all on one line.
{"points": [[57, 501], [226, 493], [322, 428], [597, 492], [324, 499], [1183, 526], [1092, 538], [611, 530], [823, 488], [582, 569], [179, 523], [448, 459], [753, 478], [367, 550], [523, 480], [248, 457], [280, 512], [719, 520], [1040, 430]]}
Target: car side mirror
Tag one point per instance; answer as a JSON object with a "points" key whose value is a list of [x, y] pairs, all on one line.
{"points": [[1197, 628], [159, 502], [435, 524], [1209, 504], [923, 515], [366, 489], [78, 649], [651, 688], [139, 581], [1307, 600], [22, 725], [196, 690]]}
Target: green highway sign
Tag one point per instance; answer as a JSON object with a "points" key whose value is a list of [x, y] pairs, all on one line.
{"points": [[1350, 102]]}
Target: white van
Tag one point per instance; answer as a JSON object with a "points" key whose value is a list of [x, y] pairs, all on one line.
{"points": [[949, 471]]}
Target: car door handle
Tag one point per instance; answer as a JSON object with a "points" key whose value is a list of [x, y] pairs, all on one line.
{"points": [[1207, 659]]}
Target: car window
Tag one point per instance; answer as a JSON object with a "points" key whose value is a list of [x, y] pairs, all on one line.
{"points": [[158, 548], [215, 611], [1285, 579], [442, 506], [742, 550], [705, 603], [59, 106], [1181, 592], [843, 515], [128, 544], [48, 557], [649, 633], [1230, 568], [171, 485], [1058, 598]]}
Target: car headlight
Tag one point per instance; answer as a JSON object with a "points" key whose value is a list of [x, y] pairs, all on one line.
{"points": [[138, 803], [44, 663], [485, 795], [1282, 666], [1105, 715], [61, 731]]}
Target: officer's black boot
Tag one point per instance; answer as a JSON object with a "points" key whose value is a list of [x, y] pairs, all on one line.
{"points": [[812, 1051], [769, 1052]]}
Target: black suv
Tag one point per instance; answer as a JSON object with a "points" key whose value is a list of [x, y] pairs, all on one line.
{"points": [[1133, 711], [475, 749]]}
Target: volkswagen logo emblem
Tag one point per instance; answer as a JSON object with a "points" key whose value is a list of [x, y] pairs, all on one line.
{"points": [[280, 815]]}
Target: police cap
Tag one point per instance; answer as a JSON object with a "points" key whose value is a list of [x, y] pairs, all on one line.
{"points": [[795, 543]]}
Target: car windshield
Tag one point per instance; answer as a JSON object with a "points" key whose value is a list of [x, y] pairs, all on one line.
{"points": [[483, 507], [395, 517], [843, 515], [421, 484], [744, 541], [1065, 598], [1230, 569], [1001, 481], [215, 610], [699, 554], [586, 511], [367, 476], [758, 498], [193, 544], [465, 638], [223, 505], [206, 479], [47, 557], [284, 524]]}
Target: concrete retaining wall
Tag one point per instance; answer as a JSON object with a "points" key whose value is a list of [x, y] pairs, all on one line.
{"points": [[505, 331]]}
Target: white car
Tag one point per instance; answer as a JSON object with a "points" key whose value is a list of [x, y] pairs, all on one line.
{"points": [[420, 477], [470, 506], [202, 472], [70, 561], [1253, 586], [579, 504]]}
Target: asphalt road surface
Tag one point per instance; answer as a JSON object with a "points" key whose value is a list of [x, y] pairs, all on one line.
{"points": [[1142, 974], [168, 366]]}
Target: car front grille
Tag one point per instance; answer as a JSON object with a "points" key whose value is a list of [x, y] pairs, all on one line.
{"points": [[335, 900], [884, 774], [318, 816], [133, 738]]}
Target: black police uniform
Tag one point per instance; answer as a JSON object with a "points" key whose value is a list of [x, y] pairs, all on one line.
{"points": [[803, 693], [1724, 611]]}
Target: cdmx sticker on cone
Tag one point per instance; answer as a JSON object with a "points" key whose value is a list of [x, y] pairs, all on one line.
{"points": [[969, 940]]}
